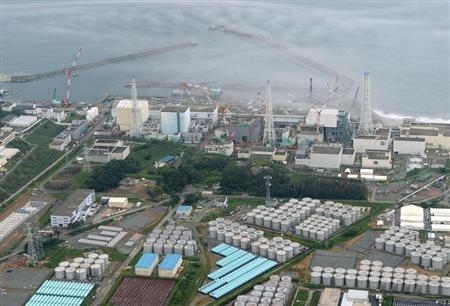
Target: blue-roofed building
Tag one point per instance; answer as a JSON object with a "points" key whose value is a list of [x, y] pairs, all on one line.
{"points": [[146, 264], [165, 161], [184, 210], [170, 265]]}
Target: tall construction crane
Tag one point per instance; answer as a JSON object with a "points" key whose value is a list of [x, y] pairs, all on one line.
{"points": [[69, 73]]}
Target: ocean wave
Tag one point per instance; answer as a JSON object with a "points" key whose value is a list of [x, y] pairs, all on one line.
{"points": [[394, 116]]}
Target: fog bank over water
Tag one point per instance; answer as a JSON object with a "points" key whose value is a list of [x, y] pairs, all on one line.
{"points": [[405, 45]]}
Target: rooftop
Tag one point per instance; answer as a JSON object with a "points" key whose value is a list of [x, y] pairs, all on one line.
{"points": [[326, 149], [166, 159], [128, 103], [383, 132], [119, 149], [262, 149], [170, 261], [184, 208], [72, 202], [348, 151], [423, 132], [330, 297], [146, 260], [377, 154], [175, 109], [414, 139]]}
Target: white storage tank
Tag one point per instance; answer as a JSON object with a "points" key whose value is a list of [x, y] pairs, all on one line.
{"points": [[385, 284], [79, 260], [64, 264], [350, 280], [96, 271], [255, 247], [421, 287], [374, 283], [263, 250], [361, 282], [158, 248], [389, 246], [327, 279], [281, 256], [148, 247], [237, 240], [445, 288], [70, 273], [425, 260], [228, 237], [213, 232], [74, 265], [434, 287], [267, 221], [397, 284], [379, 243], [251, 218], [245, 243], [60, 272], [93, 256], [189, 250], [272, 253], [409, 249], [289, 252], [81, 274], [415, 258], [102, 264], [178, 249], [339, 280], [409, 286], [399, 248], [437, 263]]}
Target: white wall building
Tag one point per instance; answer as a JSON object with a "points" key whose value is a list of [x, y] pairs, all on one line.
{"points": [[74, 209], [123, 113], [381, 140], [328, 117], [206, 113], [410, 146], [226, 149], [175, 119], [412, 216], [118, 202], [326, 156], [380, 159], [23, 121]]}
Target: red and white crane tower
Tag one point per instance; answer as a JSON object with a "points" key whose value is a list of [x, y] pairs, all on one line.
{"points": [[69, 73]]}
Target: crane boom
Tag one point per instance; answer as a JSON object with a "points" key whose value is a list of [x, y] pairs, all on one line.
{"points": [[69, 72]]}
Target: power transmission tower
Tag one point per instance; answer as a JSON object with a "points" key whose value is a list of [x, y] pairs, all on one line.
{"points": [[269, 126], [267, 178], [365, 120], [31, 249], [136, 124]]}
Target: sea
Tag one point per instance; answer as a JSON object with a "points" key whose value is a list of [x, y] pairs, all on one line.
{"points": [[404, 45]]}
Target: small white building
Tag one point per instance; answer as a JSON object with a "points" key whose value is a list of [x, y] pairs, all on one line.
{"points": [[6, 137], [184, 210], [380, 159], [356, 298], [8, 106], [118, 202], [226, 148], [23, 121], [410, 146], [348, 157], [52, 114]]}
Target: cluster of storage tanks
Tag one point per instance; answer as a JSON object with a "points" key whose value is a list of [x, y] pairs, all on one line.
{"points": [[317, 227], [83, 268], [289, 215], [405, 242], [171, 240], [251, 239], [274, 292], [373, 275]]}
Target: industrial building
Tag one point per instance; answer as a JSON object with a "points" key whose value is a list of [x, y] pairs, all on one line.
{"points": [[124, 112], [410, 146], [380, 159], [105, 150], [436, 135], [61, 141], [335, 123], [184, 210], [23, 121], [356, 298], [210, 113], [165, 161], [245, 129], [118, 202], [225, 148], [74, 209], [412, 216], [170, 265], [380, 140], [8, 106], [146, 264], [6, 137], [262, 152], [77, 128], [6, 154], [328, 156], [175, 119]]}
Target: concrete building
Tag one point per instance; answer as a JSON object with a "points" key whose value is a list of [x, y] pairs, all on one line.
{"points": [[243, 153], [6, 137], [165, 161], [8, 106], [6, 154], [436, 135], [356, 298], [410, 146], [53, 114], [77, 128], [330, 297], [381, 140], [348, 157], [335, 123], [210, 113], [175, 119], [60, 142], [123, 113], [326, 156], [23, 121], [105, 150], [226, 148], [280, 156], [245, 129], [74, 209], [170, 265], [380, 159], [262, 152], [118, 202], [184, 210], [146, 264]]}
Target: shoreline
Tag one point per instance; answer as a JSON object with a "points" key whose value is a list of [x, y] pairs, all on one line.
{"points": [[392, 118]]}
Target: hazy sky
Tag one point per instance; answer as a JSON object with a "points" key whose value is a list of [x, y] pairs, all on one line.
{"points": [[405, 45]]}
